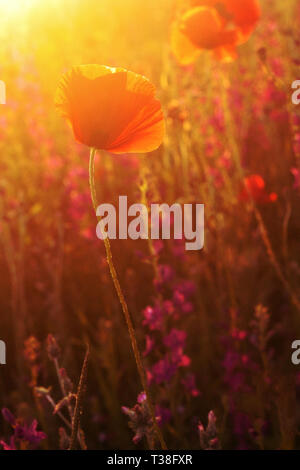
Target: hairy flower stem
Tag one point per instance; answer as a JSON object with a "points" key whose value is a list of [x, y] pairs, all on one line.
{"points": [[62, 387], [70, 410], [131, 331], [79, 399]]}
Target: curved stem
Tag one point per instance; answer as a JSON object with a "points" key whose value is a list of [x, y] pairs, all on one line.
{"points": [[131, 331]]}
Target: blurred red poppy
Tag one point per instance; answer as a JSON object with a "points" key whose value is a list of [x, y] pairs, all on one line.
{"points": [[254, 187], [217, 25], [243, 14], [111, 109]]}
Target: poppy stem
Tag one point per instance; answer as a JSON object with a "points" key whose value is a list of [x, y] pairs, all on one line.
{"points": [[131, 331]]}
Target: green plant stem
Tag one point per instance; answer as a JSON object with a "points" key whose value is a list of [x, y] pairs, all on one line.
{"points": [[131, 331]]}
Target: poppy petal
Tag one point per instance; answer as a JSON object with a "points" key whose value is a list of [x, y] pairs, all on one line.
{"points": [[226, 53], [111, 108], [183, 49], [202, 26], [243, 13]]}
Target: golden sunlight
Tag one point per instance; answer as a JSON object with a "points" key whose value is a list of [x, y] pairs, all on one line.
{"points": [[15, 6], [149, 227]]}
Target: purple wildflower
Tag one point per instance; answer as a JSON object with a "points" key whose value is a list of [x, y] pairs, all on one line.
{"points": [[140, 419], [25, 435], [153, 317], [162, 371], [208, 436], [175, 340]]}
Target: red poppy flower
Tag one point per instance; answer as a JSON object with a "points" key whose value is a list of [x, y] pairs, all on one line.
{"points": [[216, 25], [254, 187], [245, 16], [111, 109]]}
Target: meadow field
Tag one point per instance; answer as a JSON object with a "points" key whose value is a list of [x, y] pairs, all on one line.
{"points": [[198, 353]]}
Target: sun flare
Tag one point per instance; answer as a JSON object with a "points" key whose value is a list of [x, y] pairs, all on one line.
{"points": [[15, 7]]}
